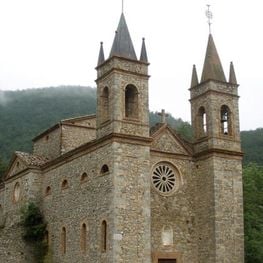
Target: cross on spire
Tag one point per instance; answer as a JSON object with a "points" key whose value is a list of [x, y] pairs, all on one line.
{"points": [[163, 116]]}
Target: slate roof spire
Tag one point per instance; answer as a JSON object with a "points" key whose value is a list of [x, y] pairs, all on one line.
{"points": [[232, 74], [212, 66], [122, 45], [101, 58], [194, 80], [143, 57]]}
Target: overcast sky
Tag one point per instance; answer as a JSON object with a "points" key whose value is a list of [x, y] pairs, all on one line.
{"points": [[56, 42]]}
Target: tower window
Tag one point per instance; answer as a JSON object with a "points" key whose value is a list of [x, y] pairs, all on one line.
{"points": [[105, 104], [83, 238], [131, 102], [63, 240], [225, 120], [202, 122], [104, 236]]}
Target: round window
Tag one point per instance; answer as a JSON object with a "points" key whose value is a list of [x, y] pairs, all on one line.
{"points": [[16, 192], [165, 178]]}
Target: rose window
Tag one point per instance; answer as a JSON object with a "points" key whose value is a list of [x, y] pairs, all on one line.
{"points": [[164, 178]]}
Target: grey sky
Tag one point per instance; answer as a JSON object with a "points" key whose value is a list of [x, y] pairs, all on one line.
{"points": [[54, 42]]}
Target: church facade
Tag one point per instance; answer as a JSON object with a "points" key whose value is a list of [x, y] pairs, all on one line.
{"points": [[112, 189]]}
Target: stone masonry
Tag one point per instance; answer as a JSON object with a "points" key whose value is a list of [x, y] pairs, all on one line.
{"points": [[114, 190]]}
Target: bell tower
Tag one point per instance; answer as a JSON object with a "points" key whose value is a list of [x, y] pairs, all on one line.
{"points": [[218, 161], [122, 88]]}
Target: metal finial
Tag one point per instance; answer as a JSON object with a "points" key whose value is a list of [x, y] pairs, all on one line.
{"points": [[122, 6], [209, 16]]}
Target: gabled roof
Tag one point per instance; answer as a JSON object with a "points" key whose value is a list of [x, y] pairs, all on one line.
{"points": [[122, 45], [31, 159], [25, 161], [212, 69], [166, 139], [65, 121]]}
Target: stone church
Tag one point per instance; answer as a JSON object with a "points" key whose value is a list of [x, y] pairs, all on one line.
{"points": [[114, 190]]}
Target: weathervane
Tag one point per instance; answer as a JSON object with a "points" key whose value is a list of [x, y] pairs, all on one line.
{"points": [[209, 15]]}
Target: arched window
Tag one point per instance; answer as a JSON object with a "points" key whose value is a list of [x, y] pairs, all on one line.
{"points": [[103, 236], [167, 236], [202, 122], [16, 194], [104, 169], [63, 240], [48, 190], [131, 102], [84, 177], [83, 238], [64, 184], [105, 104], [225, 120]]}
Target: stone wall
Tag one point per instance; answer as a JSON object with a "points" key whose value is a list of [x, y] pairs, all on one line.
{"points": [[219, 208], [174, 212], [132, 213], [73, 136], [83, 200], [49, 145], [12, 246]]}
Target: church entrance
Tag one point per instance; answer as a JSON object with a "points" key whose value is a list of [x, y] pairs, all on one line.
{"points": [[166, 260]]}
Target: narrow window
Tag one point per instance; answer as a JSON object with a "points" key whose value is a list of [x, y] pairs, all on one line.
{"points": [[105, 104], [83, 238], [225, 120], [63, 240], [104, 236], [131, 102], [64, 184], [202, 122], [48, 190], [104, 169], [16, 194], [84, 177]]}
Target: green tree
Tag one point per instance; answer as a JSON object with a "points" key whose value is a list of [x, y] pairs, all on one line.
{"points": [[34, 230], [253, 211]]}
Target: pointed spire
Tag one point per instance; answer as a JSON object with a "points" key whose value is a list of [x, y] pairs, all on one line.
{"points": [[122, 45], [101, 58], [212, 66], [194, 80], [232, 74], [143, 56]]}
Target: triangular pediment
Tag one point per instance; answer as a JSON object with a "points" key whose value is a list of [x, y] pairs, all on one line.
{"points": [[22, 161], [166, 140], [17, 165]]}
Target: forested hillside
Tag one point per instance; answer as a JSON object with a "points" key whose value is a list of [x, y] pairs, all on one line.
{"points": [[24, 114]]}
